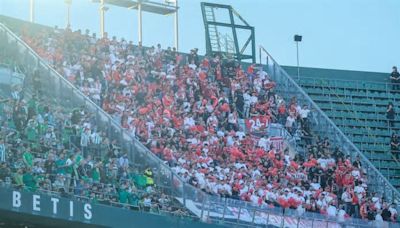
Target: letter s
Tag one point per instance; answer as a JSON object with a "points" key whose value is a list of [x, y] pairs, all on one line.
{"points": [[88, 211]]}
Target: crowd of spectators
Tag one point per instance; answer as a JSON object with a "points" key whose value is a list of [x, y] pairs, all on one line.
{"points": [[207, 119], [38, 154]]}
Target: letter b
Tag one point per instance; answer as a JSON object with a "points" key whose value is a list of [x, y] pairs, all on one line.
{"points": [[16, 199]]}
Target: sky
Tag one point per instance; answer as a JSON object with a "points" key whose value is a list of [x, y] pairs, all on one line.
{"points": [[337, 34]]}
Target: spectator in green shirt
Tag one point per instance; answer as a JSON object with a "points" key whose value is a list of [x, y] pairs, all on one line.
{"points": [[29, 180], [93, 198], [78, 158], [134, 199], [96, 173], [70, 171], [28, 158], [4, 171], [67, 131], [60, 164], [31, 131], [18, 178], [123, 195], [32, 107], [2, 105]]}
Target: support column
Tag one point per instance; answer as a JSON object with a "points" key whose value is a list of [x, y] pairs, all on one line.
{"points": [[32, 11], [68, 19], [140, 21], [102, 12], [298, 65], [176, 26]]}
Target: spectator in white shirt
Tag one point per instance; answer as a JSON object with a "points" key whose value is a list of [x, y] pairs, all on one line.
{"points": [[356, 174], [290, 123], [378, 219], [304, 112], [240, 135], [123, 162], [331, 210], [315, 185], [393, 212], [253, 99], [264, 143], [359, 191], [341, 214], [347, 199], [227, 188], [85, 140], [254, 199], [300, 210], [247, 104], [95, 138], [2, 151], [192, 65], [188, 122], [185, 176]]}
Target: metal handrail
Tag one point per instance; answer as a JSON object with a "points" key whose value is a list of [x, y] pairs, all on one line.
{"points": [[316, 107]]}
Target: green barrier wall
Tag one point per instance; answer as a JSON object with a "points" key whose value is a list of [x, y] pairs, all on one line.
{"points": [[68, 210]]}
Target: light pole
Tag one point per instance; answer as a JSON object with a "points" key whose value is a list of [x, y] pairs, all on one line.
{"points": [[297, 39]]}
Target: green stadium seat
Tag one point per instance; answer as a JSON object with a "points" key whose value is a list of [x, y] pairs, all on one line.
{"points": [[359, 109]]}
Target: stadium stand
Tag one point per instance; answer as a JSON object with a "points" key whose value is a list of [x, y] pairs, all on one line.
{"points": [[187, 111]]}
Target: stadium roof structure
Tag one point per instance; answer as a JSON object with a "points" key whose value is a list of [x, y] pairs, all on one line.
{"points": [[170, 7], [147, 6]]}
